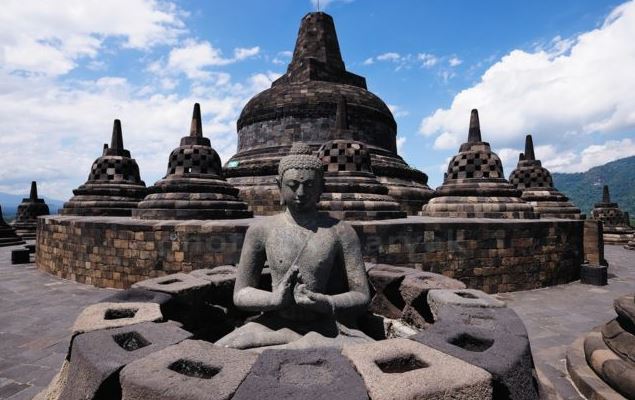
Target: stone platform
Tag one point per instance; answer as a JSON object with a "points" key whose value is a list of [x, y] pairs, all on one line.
{"points": [[494, 255], [31, 356]]}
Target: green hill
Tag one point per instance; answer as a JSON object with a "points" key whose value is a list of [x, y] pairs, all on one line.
{"points": [[585, 188]]}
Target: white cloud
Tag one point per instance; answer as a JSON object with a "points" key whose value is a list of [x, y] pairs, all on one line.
{"points": [[455, 61], [369, 61], [563, 94], [193, 58], [48, 37], [390, 56], [397, 111], [427, 60], [282, 58], [400, 143]]}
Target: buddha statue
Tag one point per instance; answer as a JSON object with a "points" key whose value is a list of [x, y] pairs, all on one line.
{"points": [[319, 283]]}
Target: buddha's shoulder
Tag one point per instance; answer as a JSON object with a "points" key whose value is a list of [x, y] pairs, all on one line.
{"points": [[265, 224]]}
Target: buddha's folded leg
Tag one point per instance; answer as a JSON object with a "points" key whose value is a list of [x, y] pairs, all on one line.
{"points": [[254, 334]]}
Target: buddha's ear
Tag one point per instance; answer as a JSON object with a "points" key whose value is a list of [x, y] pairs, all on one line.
{"points": [[279, 183]]}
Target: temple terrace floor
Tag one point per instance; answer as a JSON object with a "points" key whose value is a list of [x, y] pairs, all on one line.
{"points": [[37, 311]]}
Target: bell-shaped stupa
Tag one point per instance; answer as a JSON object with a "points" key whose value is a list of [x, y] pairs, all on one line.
{"points": [[616, 226], [301, 106], [114, 186], [8, 237], [536, 185], [25, 223], [351, 189], [194, 187], [474, 185]]}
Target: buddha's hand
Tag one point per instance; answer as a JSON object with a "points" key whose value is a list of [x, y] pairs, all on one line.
{"points": [[314, 301], [282, 295]]}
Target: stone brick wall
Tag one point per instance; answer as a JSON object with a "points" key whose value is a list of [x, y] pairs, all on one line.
{"points": [[492, 255]]}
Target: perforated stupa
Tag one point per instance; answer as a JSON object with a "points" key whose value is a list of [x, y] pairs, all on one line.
{"points": [[30, 208]]}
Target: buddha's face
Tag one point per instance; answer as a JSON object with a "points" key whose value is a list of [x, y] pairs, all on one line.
{"points": [[300, 189]]}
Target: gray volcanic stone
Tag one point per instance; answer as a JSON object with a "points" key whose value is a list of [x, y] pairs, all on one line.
{"points": [[222, 279], [619, 340], [414, 290], [138, 295], [504, 321], [594, 274], [317, 374], [386, 281], [618, 373], [20, 256], [114, 315], [501, 349], [180, 284], [399, 369], [461, 297], [97, 357], [192, 370], [625, 309]]}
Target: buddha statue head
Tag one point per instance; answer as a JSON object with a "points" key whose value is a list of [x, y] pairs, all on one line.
{"points": [[300, 179]]}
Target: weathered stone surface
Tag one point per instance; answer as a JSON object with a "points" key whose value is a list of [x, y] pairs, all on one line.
{"points": [[615, 371], [138, 295], [302, 374], [491, 255], [615, 222], [54, 390], [193, 187], [114, 315], [500, 320], [619, 340], [301, 106], [402, 292], [97, 357], [193, 370], [30, 208], [114, 186], [475, 186], [462, 297], [179, 284], [500, 347], [625, 309], [404, 369], [222, 279], [536, 184]]}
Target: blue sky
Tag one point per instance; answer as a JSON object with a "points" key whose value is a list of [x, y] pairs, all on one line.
{"points": [[559, 70]]}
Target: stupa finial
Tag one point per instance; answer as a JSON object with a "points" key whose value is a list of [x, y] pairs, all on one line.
{"points": [[116, 142], [196, 130], [341, 116], [474, 135], [521, 157], [606, 197], [317, 39], [33, 194], [529, 149]]}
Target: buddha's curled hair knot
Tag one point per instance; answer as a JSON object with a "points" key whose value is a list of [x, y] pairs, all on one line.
{"points": [[300, 157]]}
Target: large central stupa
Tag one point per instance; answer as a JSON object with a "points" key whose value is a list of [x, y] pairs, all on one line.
{"points": [[301, 107]]}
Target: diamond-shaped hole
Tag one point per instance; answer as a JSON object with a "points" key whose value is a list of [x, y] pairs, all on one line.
{"points": [[471, 343], [194, 369], [401, 364], [131, 341], [169, 281], [466, 295], [120, 313]]}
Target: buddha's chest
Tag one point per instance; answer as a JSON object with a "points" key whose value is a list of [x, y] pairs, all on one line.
{"points": [[313, 252]]}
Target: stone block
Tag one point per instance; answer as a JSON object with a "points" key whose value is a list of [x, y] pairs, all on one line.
{"points": [[502, 321], [97, 357], [625, 309], [504, 355], [193, 370], [302, 374], [181, 285], [20, 256], [31, 248], [399, 369], [138, 295], [462, 297], [615, 371], [114, 315], [386, 281], [222, 280], [596, 275]]}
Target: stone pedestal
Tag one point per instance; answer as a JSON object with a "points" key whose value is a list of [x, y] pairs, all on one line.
{"points": [[301, 107], [25, 223], [114, 186], [474, 185], [194, 187], [615, 222]]}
